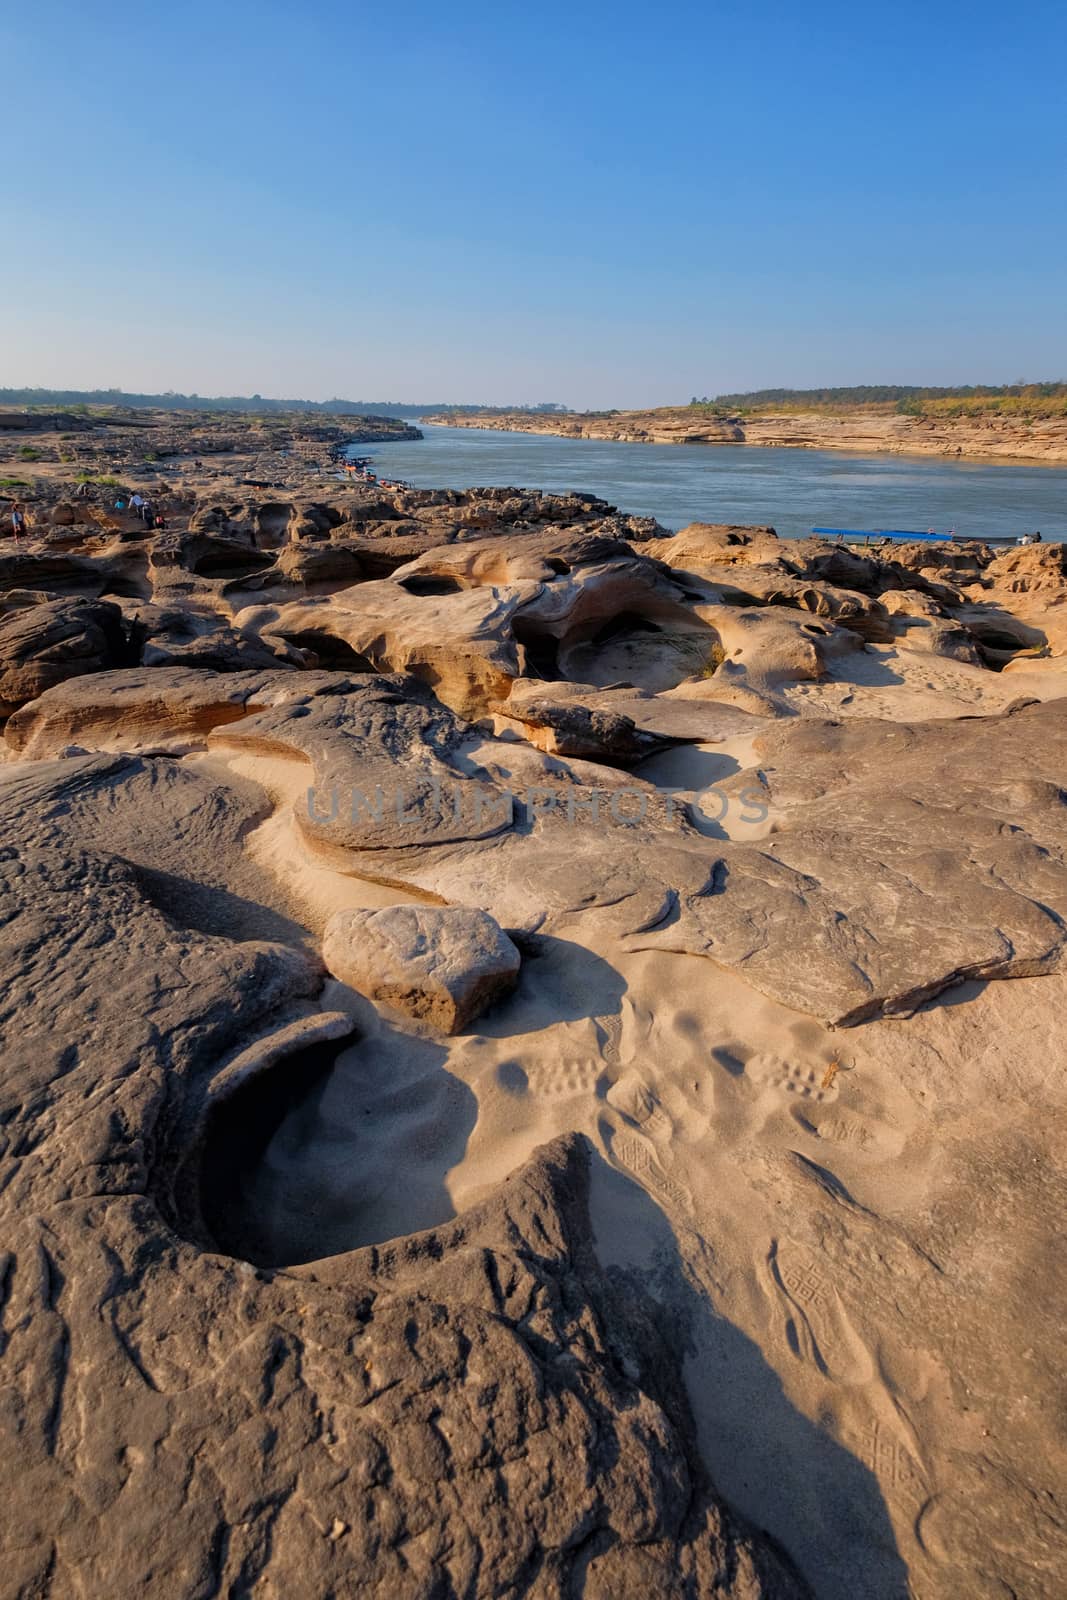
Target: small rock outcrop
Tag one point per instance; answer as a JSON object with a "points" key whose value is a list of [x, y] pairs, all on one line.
{"points": [[441, 964], [45, 643]]}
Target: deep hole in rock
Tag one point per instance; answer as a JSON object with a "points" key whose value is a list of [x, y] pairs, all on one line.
{"points": [[123, 587], [994, 639], [273, 519], [336, 655], [239, 1129], [333, 1146], [430, 584]]}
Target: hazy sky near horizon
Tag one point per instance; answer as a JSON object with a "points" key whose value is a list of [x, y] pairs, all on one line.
{"points": [[605, 205]]}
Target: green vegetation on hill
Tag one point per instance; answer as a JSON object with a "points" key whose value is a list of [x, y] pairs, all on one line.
{"points": [[1022, 400]]}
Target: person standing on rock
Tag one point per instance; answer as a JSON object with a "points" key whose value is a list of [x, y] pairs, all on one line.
{"points": [[18, 521], [136, 502]]}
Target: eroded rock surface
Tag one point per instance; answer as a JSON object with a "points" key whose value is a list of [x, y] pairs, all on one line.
{"points": [[44, 642], [862, 903], [304, 1296], [179, 1421]]}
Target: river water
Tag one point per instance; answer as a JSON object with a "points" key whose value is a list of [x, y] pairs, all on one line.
{"points": [[792, 490]]}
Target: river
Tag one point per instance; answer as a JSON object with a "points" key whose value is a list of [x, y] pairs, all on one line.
{"points": [[792, 490]]}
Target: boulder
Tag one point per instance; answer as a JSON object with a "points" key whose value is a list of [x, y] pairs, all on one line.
{"points": [[759, 651], [387, 765], [907, 603], [668, 719], [718, 544], [568, 728], [536, 557], [441, 964], [1029, 567]]}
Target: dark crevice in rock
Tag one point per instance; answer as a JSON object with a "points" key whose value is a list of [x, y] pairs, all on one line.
{"points": [[627, 622], [228, 565], [540, 649]]}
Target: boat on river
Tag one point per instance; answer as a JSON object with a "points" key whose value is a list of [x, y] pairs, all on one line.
{"points": [[906, 536]]}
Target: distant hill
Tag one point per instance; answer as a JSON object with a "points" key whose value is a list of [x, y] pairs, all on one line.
{"points": [[172, 401]]}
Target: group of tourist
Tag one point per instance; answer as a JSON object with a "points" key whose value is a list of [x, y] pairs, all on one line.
{"points": [[143, 508], [139, 505]]}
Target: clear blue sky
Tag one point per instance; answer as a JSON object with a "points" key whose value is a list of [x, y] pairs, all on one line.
{"points": [[601, 204]]}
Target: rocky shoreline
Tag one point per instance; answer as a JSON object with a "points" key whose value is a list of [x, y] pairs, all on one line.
{"points": [[276, 451], [532, 1042], [870, 433]]}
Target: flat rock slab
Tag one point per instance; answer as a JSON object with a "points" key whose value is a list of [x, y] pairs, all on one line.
{"points": [[441, 964], [903, 859]]}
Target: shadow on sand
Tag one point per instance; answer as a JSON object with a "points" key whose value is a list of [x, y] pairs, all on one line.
{"points": [[778, 1469], [560, 982]]}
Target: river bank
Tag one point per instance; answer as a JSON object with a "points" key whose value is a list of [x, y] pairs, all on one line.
{"points": [[865, 432]]}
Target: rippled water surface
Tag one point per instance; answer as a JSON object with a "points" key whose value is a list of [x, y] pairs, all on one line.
{"points": [[793, 490]]}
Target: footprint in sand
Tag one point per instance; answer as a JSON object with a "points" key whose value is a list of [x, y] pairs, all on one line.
{"points": [[889, 1458], [806, 1082], [609, 1032], [873, 1139], [639, 1159], [819, 1329], [562, 1080], [632, 1096]]}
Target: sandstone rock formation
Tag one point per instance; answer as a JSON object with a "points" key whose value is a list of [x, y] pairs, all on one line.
{"points": [[470, 642], [882, 910], [733, 1210], [44, 642]]}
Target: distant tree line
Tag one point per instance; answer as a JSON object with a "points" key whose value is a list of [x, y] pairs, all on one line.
{"points": [[171, 400], [899, 394]]}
